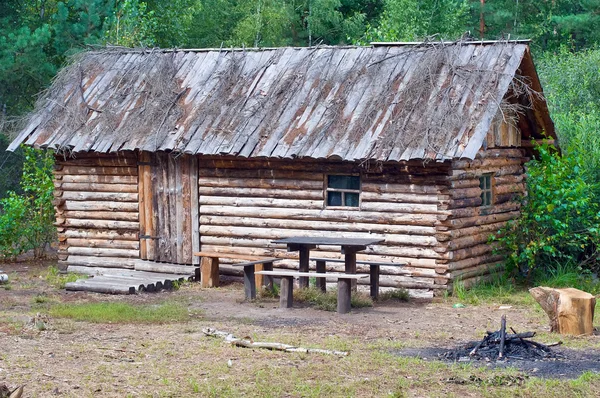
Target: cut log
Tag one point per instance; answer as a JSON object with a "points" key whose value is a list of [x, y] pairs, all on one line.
{"points": [[571, 311]]}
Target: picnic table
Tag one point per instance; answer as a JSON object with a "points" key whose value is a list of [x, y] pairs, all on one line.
{"points": [[349, 248]]}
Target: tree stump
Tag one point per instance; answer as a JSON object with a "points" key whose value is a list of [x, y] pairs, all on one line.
{"points": [[571, 311]]}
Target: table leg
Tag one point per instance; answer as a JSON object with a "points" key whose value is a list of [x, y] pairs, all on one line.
{"points": [[374, 281], [344, 295], [304, 257], [268, 279], [321, 282], [350, 265], [286, 292], [249, 282]]}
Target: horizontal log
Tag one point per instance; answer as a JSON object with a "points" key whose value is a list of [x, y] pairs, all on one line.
{"points": [[261, 202], [509, 188], [375, 187], [99, 224], [79, 170], [334, 253], [480, 269], [105, 262], [398, 197], [102, 162], [261, 173], [456, 223], [74, 205], [94, 196], [463, 193], [486, 163], [260, 183], [107, 243], [381, 250], [96, 155], [500, 153], [103, 252], [468, 175], [321, 225], [150, 266], [462, 203], [474, 261], [99, 234], [469, 241], [263, 193], [95, 187], [100, 179], [324, 215], [399, 208], [279, 233], [462, 184], [106, 288], [510, 179], [462, 232], [92, 271], [101, 215], [474, 251], [479, 211], [508, 198]]}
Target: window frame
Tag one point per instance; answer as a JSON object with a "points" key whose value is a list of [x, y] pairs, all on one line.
{"points": [[489, 189], [343, 191]]}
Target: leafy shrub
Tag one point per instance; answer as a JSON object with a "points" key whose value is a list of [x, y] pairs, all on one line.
{"points": [[559, 218], [26, 220]]}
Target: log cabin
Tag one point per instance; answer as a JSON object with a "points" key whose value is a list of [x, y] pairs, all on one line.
{"points": [[161, 153]]}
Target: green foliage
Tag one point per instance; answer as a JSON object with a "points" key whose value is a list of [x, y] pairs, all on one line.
{"points": [[131, 25], [559, 218], [122, 312], [549, 23], [572, 87], [58, 280], [395, 295], [26, 220], [410, 20]]}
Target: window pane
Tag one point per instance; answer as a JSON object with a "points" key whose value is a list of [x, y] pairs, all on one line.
{"points": [[488, 197], [334, 198], [482, 182], [351, 199], [343, 182]]}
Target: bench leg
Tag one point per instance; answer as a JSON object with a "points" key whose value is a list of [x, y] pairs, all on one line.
{"points": [[249, 282], [344, 294], [267, 280], [286, 293], [374, 281], [303, 267], [350, 266], [321, 282], [209, 270]]}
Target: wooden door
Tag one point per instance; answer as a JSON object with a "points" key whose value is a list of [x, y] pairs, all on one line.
{"points": [[168, 195]]}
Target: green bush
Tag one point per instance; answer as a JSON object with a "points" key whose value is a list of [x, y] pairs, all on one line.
{"points": [[559, 218], [26, 220]]}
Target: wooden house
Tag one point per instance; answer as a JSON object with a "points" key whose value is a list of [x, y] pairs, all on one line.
{"points": [[160, 153]]}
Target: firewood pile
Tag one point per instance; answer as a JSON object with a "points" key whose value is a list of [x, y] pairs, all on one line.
{"points": [[500, 345]]}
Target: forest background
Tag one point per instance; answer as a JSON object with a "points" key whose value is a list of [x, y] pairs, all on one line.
{"points": [[559, 227]]}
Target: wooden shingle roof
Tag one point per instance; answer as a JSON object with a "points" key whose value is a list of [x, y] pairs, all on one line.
{"points": [[383, 103]]}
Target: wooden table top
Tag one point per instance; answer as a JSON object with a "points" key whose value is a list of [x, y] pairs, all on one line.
{"points": [[311, 240]]}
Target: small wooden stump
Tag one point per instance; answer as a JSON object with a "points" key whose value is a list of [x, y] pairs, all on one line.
{"points": [[209, 270], [571, 311]]}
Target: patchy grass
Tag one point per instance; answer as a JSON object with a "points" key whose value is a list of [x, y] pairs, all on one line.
{"points": [[58, 280], [111, 312], [328, 301], [395, 295]]}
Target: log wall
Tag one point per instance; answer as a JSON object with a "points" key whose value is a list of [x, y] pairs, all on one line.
{"points": [[466, 231], [96, 203], [246, 204]]}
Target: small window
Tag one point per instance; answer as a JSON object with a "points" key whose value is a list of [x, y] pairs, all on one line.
{"points": [[343, 190], [485, 183]]}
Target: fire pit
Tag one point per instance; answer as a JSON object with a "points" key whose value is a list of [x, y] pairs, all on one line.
{"points": [[500, 345]]}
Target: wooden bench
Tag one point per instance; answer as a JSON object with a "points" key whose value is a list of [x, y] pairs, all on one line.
{"points": [[374, 267], [209, 270], [286, 292]]}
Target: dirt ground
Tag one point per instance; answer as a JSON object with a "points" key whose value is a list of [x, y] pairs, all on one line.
{"points": [[71, 358]]}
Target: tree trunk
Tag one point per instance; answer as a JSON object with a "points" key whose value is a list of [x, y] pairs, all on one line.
{"points": [[571, 311]]}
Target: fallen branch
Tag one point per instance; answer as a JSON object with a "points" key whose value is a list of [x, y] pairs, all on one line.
{"points": [[248, 343]]}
